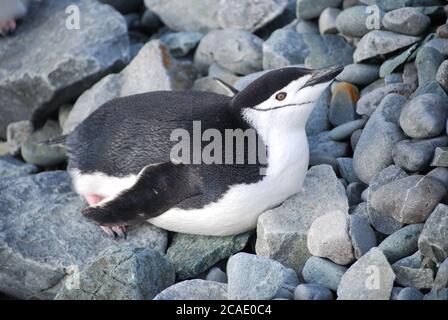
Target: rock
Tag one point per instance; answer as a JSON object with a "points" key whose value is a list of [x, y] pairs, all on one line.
{"points": [[244, 81], [440, 174], [307, 26], [427, 62], [393, 78], [361, 234], [352, 21], [406, 20], [196, 289], [388, 5], [218, 72], [151, 70], [63, 113], [378, 42], [236, 50], [439, 44], [323, 272], [369, 278], [150, 21], [416, 155], [210, 84], [12, 167], [323, 144], [327, 50], [252, 277], [193, 254], [354, 193], [181, 43], [16, 134], [433, 241], [430, 87], [438, 290], [284, 47], [309, 9], [411, 272], [120, 273], [346, 130], [442, 75], [318, 119], [47, 221], [35, 81], [327, 21], [410, 293], [206, 15], [395, 292], [312, 292], [440, 158], [345, 166], [442, 31], [410, 76], [217, 275], [359, 74], [287, 225], [424, 116], [355, 138], [125, 6], [343, 101], [43, 155], [401, 243], [410, 199], [328, 238], [373, 151], [390, 65]]}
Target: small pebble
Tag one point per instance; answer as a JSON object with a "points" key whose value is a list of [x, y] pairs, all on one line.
{"points": [[312, 292]]}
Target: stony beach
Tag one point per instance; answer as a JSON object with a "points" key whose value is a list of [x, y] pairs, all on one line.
{"points": [[372, 220]]}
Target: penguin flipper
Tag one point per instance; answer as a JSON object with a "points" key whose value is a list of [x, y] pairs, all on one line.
{"points": [[157, 189]]}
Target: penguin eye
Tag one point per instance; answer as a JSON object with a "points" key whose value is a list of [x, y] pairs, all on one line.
{"points": [[280, 96]]}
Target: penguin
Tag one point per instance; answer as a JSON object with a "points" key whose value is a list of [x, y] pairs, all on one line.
{"points": [[121, 159]]}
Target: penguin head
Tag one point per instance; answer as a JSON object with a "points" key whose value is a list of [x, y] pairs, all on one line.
{"points": [[283, 97]]}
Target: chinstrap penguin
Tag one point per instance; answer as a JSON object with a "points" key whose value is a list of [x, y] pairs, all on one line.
{"points": [[119, 157]]}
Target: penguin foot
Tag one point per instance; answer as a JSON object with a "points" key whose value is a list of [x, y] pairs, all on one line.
{"points": [[7, 27], [118, 232]]}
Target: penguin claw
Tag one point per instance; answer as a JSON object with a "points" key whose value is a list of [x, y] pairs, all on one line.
{"points": [[7, 27], [116, 232]]}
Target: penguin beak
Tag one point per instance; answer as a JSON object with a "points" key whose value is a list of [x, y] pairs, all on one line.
{"points": [[324, 75]]}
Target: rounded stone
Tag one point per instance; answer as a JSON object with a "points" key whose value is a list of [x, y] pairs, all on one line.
{"points": [[312, 292]]}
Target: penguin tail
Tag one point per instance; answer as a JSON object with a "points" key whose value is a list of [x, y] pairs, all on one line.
{"points": [[55, 140]]}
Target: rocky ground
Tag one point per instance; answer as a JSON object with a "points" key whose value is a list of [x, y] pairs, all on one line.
{"points": [[372, 222]]}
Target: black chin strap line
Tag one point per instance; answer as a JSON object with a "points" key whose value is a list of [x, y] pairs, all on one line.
{"points": [[286, 105]]}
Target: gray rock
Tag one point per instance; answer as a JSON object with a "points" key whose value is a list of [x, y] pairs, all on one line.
{"points": [[442, 75], [196, 289], [401, 243], [47, 64], [391, 64], [361, 234], [323, 272], [410, 293], [352, 21], [236, 50], [388, 5], [359, 74], [410, 199], [343, 101], [63, 113], [287, 225], [327, 50], [151, 70], [412, 272], [440, 158], [410, 76], [395, 292], [284, 47], [369, 278], [210, 84], [427, 62], [345, 166], [12, 167], [369, 102], [373, 151], [181, 43], [312, 292], [354, 139], [125, 6], [393, 78], [406, 20], [207, 15], [346, 130], [327, 21], [416, 155], [252, 277], [430, 87], [193, 254], [424, 116], [440, 174], [216, 71], [46, 222], [324, 145], [439, 44], [307, 26], [33, 151], [328, 237], [16, 134], [217, 275], [309, 9], [439, 288], [150, 21], [124, 273], [378, 42], [318, 119], [433, 241], [354, 193]]}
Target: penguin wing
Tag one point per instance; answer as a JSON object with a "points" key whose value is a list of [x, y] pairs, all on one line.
{"points": [[157, 189]]}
